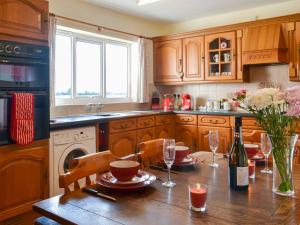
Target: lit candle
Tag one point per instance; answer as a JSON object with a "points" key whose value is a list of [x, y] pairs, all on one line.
{"points": [[251, 164], [198, 195]]}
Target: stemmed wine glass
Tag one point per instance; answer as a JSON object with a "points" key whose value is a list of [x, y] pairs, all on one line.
{"points": [[213, 144], [169, 157], [266, 148]]}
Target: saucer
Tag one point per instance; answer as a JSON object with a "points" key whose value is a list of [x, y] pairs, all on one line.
{"points": [[106, 183], [139, 178]]}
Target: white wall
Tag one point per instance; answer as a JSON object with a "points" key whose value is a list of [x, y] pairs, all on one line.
{"points": [[80, 10], [274, 10]]}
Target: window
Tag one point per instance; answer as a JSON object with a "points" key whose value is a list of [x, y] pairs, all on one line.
{"points": [[90, 68]]}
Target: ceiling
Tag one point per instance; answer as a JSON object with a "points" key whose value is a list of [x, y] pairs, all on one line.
{"points": [[180, 10]]}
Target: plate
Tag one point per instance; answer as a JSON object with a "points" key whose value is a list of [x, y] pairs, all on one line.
{"points": [[139, 178], [126, 188], [187, 161]]}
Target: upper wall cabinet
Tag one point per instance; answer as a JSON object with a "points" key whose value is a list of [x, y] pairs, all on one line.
{"points": [[168, 61], [24, 18], [193, 58], [220, 56], [294, 50]]}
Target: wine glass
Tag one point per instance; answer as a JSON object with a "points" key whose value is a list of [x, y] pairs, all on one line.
{"points": [[213, 139], [169, 157], [266, 148]]}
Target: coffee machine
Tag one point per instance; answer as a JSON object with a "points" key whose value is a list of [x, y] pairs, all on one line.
{"points": [[186, 102], [168, 102]]}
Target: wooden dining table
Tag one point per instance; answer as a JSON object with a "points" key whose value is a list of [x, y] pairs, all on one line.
{"points": [[162, 206]]}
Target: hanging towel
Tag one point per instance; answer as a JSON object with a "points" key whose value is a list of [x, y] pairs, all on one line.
{"points": [[22, 118]]}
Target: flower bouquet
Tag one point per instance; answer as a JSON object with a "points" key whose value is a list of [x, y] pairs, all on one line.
{"points": [[277, 112]]}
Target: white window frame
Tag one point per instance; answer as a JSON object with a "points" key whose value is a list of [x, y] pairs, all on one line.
{"points": [[83, 100]]}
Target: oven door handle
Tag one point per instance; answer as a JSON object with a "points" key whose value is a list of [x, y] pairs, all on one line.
{"points": [[9, 60]]}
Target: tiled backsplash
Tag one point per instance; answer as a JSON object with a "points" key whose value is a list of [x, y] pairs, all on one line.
{"points": [[258, 74]]}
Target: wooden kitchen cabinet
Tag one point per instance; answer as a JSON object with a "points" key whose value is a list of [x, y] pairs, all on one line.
{"points": [[188, 135], [23, 176], [220, 56], [225, 138], [193, 58], [122, 125], [168, 61], [25, 19], [146, 134], [123, 144], [294, 50], [164, 131]]}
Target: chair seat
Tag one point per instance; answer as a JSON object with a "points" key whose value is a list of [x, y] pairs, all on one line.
{"points": [[45, 221]]}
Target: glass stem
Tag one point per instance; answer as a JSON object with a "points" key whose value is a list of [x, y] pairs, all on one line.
{"points": [[267, 159], [169, 173], [213, 157]]}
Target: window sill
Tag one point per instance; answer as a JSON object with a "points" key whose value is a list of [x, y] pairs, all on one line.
{"points": [[85, 101]]}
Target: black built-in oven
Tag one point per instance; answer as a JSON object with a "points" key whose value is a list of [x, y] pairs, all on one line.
{"points": [[24, 68]]}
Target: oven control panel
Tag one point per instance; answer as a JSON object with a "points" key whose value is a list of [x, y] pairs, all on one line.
{"points": [[14, 49]]}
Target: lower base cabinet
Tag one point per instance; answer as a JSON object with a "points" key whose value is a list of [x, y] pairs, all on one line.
{"points": [[123, 144], [164, 131], [146, 134], [188, 135], [23, 178], [225, 138]]}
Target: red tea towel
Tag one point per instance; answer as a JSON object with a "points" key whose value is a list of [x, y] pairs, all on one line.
{"points": [[22, 118]]}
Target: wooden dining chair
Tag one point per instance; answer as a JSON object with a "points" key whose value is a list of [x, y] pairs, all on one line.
{"points": [[84, 167], [150, 152]]}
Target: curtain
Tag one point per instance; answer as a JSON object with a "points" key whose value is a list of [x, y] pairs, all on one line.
{"points": [[52, 33], [144, 70]]}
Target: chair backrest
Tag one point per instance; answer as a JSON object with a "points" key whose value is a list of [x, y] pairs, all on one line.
{"points": [[85, 166], [151, 151]]}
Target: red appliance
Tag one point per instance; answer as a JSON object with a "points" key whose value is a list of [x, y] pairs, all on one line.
{"points": [[168, 102], [186, 102], [155, 101]]}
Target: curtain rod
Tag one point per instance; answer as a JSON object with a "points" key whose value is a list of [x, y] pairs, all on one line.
{"points": [[100, 28]]}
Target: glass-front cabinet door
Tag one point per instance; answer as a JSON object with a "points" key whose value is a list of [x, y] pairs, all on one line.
{"points": [[220, 56]]}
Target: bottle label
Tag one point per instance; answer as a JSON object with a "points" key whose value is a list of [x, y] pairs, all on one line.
{"points": [[242, 176]]}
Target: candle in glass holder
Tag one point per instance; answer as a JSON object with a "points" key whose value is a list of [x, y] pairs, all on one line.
{"points": [[198, 195], [251, 164]]}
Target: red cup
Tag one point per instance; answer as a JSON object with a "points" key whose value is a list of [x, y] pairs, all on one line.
{"points": [[251, 149], [181, 153], [198, 196], [124, 170]]}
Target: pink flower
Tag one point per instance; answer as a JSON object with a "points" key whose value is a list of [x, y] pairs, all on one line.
{"points": [[243, 90], [292, 95], [293, 110]]}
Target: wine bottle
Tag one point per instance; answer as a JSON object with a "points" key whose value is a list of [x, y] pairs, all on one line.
{"points": [[238, 161]]}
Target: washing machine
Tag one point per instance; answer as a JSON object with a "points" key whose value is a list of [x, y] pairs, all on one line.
{"points": [[66, 145]]}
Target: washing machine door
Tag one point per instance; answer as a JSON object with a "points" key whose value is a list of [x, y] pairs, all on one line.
{"points": [[72, 152]]}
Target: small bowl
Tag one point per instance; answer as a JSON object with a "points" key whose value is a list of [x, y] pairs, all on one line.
{"points": [[124, 170], [251, 149], [181, 153]]}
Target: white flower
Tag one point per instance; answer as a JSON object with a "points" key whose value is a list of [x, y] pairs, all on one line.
{"points": [[264, 98]]}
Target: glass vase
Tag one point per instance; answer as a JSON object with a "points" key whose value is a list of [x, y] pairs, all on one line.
{"points": [[283, 155]]}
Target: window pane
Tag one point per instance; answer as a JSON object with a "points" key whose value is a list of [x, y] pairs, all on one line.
{"points": [[116, 71], [88, 69], [63, 66]]}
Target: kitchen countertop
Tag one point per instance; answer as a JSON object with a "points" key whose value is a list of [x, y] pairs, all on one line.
{"points": [[88, 119]]}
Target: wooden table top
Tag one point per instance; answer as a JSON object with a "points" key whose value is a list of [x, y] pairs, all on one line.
{"points": [[159, 205]]}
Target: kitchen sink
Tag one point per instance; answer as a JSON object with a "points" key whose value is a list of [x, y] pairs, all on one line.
{"points": [[108, 114]]}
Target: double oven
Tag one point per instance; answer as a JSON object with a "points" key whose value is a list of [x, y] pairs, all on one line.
{"points": [[24, 68]]}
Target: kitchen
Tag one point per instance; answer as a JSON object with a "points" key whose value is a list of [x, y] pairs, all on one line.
{"points": [[203, 53]]}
